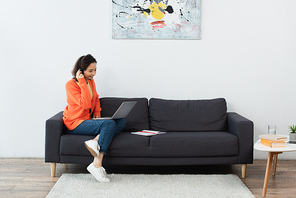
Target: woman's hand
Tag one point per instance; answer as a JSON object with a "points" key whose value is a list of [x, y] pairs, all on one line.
{"points": [[79, 74], [96, 116]]}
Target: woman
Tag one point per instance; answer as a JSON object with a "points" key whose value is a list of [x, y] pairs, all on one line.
{"points": [[83, 105]]}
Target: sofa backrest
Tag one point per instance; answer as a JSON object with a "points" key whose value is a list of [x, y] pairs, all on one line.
{"points": [[137, 119], [188, 115]]}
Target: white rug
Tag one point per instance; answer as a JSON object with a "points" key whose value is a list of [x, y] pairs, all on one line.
{"points": [[121, 185]]}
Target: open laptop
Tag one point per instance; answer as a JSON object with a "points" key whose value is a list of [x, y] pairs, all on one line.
{"points": [[122, 111]]}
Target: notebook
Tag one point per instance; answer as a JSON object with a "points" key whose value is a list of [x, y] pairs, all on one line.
{"points": [[122, 111]]}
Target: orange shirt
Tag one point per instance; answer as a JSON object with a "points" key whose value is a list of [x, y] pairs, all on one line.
{"points": [[80, 105]]}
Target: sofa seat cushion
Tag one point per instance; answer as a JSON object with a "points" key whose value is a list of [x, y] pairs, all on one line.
{"points": [[188, 115], [74, 144], [194, 144], [136, 120], [123, 144], [126, 144]]}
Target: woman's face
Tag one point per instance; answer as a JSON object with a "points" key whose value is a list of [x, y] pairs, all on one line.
{"points": [[90, 71]]}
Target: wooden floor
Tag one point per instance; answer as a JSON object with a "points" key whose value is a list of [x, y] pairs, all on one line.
{"points": [[31, 177]]}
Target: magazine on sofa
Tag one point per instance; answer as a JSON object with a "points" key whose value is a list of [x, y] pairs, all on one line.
{"points": [[147, 132]]}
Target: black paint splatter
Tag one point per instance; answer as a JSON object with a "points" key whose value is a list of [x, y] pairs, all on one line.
{"points": [[182, 15], [142, 9], [169, 9]]}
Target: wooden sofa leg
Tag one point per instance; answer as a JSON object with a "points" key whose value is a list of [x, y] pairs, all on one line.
{"points": [[53, 169], [244, 170]]}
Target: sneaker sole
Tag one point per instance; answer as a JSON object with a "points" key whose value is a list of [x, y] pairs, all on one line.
{"points": [[93, 153]]}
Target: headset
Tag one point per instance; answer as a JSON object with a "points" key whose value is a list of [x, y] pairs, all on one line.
{"points": [[79, 65]]}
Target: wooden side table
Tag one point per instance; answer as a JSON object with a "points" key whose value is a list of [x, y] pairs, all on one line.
{"points": [[272, 156]]}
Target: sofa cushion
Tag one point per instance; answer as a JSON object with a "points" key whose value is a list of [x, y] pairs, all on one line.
{"points": [[188, 115], [191, 144], [137, 119], [74, 144], [124, 144]]}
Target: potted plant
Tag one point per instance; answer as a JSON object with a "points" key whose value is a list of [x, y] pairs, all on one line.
{"points": [[292, 135]]}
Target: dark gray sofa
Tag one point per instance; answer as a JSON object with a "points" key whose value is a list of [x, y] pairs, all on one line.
{"points": [[199, 132]]}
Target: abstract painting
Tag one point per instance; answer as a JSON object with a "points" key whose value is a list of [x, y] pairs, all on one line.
{"points": [[156, 19]]}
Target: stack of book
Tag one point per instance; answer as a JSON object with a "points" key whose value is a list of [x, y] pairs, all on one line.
{"points": [[273, 141], [147, 132]]}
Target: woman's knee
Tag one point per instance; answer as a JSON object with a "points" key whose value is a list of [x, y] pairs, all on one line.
{"points": [[109, 124]]}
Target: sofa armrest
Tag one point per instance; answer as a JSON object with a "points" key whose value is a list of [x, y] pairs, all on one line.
{"points": [[54, 128], [244, 130]]}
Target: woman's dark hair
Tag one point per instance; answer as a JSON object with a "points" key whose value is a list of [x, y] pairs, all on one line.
{"points": [[82, 63]]}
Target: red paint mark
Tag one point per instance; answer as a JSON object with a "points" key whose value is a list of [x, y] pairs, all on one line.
{"points": [[157, 25], [157, 22], [178, 28]]}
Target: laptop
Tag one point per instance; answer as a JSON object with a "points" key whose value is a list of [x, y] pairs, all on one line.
{"points": [[122, 111]]}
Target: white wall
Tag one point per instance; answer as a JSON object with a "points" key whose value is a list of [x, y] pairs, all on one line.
{"points": [[246, 55]]}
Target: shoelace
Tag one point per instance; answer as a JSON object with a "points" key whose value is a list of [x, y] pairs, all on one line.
{"points": [[104, 171]]}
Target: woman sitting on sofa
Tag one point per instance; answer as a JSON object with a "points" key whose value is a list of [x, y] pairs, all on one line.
{"points": [[84, 105]]}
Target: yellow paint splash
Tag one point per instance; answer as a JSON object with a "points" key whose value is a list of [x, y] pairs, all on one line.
{"points": [[155, 12]]}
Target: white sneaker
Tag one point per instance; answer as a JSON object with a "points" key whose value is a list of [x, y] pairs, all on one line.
{"points": [[93, 147], [98, 173]]}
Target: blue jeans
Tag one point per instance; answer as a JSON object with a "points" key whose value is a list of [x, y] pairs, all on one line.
{"points": [[106, 128]]}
